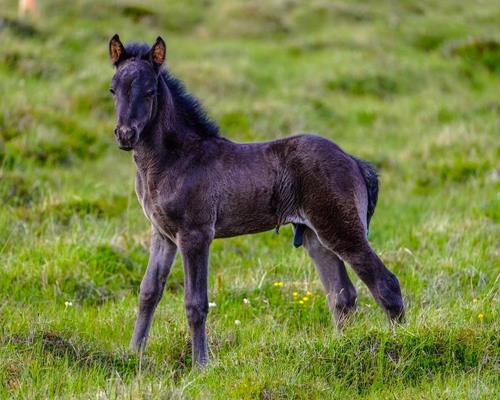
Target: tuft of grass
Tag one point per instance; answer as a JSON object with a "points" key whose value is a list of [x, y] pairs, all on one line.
{"points": [[375, 85], [478, 51]]}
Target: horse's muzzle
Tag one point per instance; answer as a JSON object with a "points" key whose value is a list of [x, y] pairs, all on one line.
{"points": [[126, 137]]}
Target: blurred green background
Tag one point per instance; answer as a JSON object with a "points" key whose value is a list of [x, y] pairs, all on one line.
{"points": [[412, 86]]}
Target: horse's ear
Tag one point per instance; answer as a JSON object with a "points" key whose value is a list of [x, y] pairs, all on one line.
{"points": [[116, 50], [158, 52]]}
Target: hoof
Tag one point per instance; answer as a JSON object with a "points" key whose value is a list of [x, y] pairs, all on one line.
{"points": [[397, 314], [343, 305], [200, 364], [342, 316], [138, 346]]}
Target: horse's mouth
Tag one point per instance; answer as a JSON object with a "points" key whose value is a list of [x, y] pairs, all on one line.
{"points": [[125, 147], [126, 144]]}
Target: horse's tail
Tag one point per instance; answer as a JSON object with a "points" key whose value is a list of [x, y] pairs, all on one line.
{"points": [[370, 177]]}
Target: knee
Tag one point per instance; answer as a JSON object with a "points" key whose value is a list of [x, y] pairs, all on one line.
{"points": [[196, 313], [149, 294]]}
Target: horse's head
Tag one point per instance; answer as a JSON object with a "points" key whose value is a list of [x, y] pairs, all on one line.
{"points": [[134, 88]]}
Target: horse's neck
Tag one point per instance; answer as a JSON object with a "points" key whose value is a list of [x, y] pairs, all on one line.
{"points": [[160, 138], [149, 155], [163, 150], [167, 140]]}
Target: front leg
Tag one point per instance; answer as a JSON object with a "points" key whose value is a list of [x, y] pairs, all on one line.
{"points": [[194, 246], [161, 257]]}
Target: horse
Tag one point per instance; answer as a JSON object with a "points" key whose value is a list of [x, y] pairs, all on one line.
{"points": [[195, 186]]}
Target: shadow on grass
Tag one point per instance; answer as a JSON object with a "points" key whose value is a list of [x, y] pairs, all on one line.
{"points": [[78, 353], [86, 355]]}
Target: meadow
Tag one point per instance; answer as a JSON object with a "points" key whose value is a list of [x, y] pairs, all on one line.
{"points": [[411, 86]]}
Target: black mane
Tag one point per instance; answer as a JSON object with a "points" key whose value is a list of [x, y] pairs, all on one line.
{"points": [[187, 106]]}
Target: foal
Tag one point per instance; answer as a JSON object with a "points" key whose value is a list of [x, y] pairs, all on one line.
{"points": [[195, 186]]}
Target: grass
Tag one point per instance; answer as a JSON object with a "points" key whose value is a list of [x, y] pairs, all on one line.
{"points": [[411, 86]]}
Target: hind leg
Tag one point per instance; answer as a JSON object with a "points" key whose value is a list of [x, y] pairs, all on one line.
{"points": [[347, 238], [339, 289], [382, 283]]}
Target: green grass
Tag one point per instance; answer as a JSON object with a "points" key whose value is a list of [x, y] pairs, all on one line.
{"points": [[411, 86]]}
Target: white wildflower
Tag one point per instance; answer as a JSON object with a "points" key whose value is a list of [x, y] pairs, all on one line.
{"points": [[212, 305], [68, 304], [237, 322], [246, 301]]}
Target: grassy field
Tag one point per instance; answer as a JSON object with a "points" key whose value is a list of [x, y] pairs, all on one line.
{"points": [[412, 86]]}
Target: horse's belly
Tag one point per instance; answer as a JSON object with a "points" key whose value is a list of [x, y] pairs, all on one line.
{"points": [[242, 223], [243, 229]]}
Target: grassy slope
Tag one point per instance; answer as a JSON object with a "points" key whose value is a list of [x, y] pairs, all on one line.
{"points": [[397, 83]]}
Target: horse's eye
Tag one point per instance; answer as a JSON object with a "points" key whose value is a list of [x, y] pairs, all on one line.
{"points": [[112, 91], [150, 93]]}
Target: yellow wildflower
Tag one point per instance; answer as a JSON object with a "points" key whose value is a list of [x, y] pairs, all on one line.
{"points": [[481, 316], [474, 300], [308, 293], [305, 298], [295, 294], [278, 284], [301, 301]]}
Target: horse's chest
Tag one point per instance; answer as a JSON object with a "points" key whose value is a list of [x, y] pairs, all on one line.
{"points": [[162, 217]]}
